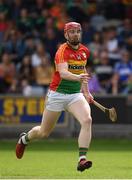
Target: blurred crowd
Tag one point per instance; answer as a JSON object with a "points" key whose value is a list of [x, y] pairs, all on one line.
{"points": [[32, 30]]}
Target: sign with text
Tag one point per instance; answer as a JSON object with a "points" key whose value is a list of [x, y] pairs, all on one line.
{"points": [[23, 110]]}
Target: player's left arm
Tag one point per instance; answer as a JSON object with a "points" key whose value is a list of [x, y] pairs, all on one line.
{"points": [[84, 85], [86, 92]]}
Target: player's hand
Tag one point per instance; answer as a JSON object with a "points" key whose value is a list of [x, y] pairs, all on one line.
{"points": [[84, 77], [89, 97]]}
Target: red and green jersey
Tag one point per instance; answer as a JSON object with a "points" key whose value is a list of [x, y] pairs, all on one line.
{"points": [[77, 60]]}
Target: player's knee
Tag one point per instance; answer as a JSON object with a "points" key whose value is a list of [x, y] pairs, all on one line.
{"points": [[90, 119], [87, 121], [36, 129]]}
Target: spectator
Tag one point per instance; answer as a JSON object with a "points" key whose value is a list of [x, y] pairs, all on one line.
{"points": [[50, 23], [60, 22], [104, 34], [93, 83], [15, 46], [104, 70], [4, 27], [51, 42], [128, 45], [7, 73], [16, 7], [26, 88], [39, 55], [115, 9], [4, 8], [98, 20], [40, 21], [114, 87], [26, 71], [124, 31], [25, 22], [29, 44], [96, 45], [123, 69], [15, 87], [37, 7], [88, 32], [43, 73], [57, 9], [128, 88], [76, 12], [112, 46]]}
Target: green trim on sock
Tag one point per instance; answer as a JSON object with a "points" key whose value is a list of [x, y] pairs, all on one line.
{"points": [[83, 151], [26, 137]]}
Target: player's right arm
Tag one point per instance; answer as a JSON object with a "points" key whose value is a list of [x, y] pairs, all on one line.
{"points": [[62, 68]]}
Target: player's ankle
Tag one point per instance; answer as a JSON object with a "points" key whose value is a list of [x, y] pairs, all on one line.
{"points": [[25, 139], [82, 158]]}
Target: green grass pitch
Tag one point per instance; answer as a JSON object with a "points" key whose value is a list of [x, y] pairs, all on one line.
{"points": [[57, 159]]}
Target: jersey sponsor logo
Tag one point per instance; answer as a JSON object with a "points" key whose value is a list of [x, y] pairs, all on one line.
{"points": [[75, 67]]}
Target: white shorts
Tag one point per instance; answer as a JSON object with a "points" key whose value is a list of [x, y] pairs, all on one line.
{"points": [[59, 102]]}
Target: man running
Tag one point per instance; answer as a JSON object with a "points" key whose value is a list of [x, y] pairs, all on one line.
{"points": [[68, 91]]}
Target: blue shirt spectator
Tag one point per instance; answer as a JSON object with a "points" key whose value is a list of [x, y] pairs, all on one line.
{"points": [[124, 68]]}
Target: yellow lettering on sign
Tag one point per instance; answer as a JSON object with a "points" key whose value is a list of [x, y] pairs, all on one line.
{"points": [[32, 107], [20, 104], [9, 119], [8, 107]]}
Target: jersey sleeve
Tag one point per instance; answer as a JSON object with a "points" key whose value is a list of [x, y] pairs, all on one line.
{"points": [[60, 56]]}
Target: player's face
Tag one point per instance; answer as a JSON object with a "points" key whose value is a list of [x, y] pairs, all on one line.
{"points": [[73, 36]]}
